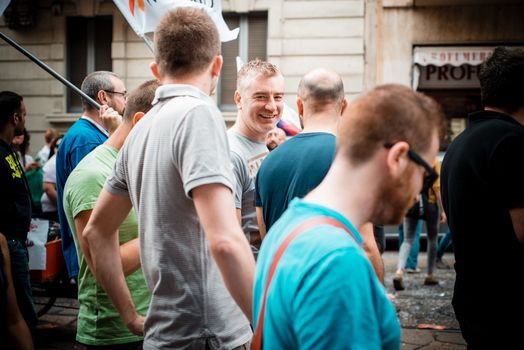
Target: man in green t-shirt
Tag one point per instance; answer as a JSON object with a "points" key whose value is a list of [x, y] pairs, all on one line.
{"points": [[99, 323]]}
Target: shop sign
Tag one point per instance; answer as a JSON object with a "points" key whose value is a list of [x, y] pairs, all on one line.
{"points": [[455, 56], [449, 77]]}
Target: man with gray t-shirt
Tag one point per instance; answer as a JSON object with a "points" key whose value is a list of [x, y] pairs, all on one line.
{"points": [[260, 100], [175, 170]]}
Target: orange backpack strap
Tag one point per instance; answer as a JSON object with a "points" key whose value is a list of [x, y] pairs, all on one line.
{"points": [[312, 222]]}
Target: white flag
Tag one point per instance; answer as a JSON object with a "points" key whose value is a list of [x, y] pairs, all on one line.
{"points": [[3, 6], [144, 15]]}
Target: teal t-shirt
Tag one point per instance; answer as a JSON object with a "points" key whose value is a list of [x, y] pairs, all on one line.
{"points": [[99, 323], [324, 293]]}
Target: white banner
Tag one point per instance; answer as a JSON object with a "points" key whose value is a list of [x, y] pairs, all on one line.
{"points": [[36, 240], [144, 15]]}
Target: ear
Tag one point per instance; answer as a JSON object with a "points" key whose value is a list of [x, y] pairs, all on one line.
{"points": [[102, 97], [344, 106], [15, 118], [397, 160], [216, 66], [300, 107], [238, 99], [137, 117], [154, 69]]}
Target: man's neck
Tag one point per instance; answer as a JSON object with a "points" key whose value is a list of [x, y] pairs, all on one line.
{"points": [[93, 115], [321, 122], [241, 128], [7, 134], [200, 81], [347, 191]]}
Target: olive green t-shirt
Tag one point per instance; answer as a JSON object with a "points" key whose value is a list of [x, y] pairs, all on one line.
{"points": [[99, 323]]}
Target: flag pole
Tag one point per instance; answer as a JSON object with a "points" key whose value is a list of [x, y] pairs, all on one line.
{"points": [[148, 43], [48, 69]]}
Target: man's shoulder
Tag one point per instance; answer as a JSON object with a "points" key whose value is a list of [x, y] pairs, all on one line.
{"points": [[88, 172], [315, 141], [99, 160], [304, 146], [184, 106], [243, 147], [82, 132]]}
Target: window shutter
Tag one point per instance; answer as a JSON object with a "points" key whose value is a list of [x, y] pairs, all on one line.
{"points": [[257, 36], [228, 76]]}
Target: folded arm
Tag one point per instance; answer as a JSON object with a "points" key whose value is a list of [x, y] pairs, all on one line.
{"points": [[129, 251], [104, 258]]}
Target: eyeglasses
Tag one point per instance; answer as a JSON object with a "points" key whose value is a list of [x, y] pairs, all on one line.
{"points": [[430, 175], [124, 94]]}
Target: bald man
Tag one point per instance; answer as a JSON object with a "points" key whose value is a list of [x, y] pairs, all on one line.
{"points": [[274, 138], [297, 166]]}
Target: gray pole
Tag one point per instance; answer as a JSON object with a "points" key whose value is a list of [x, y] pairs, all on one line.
{"points": [[49, 70]]}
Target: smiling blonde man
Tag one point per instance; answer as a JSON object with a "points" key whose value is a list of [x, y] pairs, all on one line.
{"points": [[260, 101]]}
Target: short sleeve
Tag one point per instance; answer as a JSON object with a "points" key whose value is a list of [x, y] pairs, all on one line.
{"points": [[201, 150], [240, 176], [82, 190], [117, 182], [507, 166]]}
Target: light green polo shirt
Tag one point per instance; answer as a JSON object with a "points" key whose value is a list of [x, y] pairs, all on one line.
{"points": [[99, 323]]}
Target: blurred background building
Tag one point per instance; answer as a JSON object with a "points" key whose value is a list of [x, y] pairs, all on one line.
{"points": [[434, 46]]}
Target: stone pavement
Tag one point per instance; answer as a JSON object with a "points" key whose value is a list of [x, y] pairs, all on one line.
{"points": [[417, 306], [427, 307]]}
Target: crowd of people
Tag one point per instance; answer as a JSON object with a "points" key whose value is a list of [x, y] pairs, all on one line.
{"points": [[162, 209]]}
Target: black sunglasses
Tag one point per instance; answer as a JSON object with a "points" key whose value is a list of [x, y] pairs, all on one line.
{"points": [[430, 175], [124, 94]]}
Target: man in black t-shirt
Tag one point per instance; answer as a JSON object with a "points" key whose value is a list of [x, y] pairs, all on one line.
{"points": [[483, 195], [15, 202]]}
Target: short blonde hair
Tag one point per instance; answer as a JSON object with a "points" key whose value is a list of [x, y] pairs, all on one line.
{"points": [[253, 68]]}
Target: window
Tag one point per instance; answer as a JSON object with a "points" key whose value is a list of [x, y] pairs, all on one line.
{"points": [[250, 44], [88, 49]]}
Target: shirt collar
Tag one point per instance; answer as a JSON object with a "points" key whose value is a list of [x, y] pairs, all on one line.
{"points": [[98, 126], [174, 90], [487, 114], [6, 145]]}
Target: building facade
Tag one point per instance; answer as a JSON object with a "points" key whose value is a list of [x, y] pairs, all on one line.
{"points": [[434, 46], [75, 37]]}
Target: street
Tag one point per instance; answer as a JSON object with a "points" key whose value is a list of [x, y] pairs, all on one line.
{"points": [[425, 312]]}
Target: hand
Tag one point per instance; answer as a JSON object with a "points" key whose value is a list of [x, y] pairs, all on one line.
{"points": [[136, 325], [30, 166], [110, 118], [443, 217]]}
